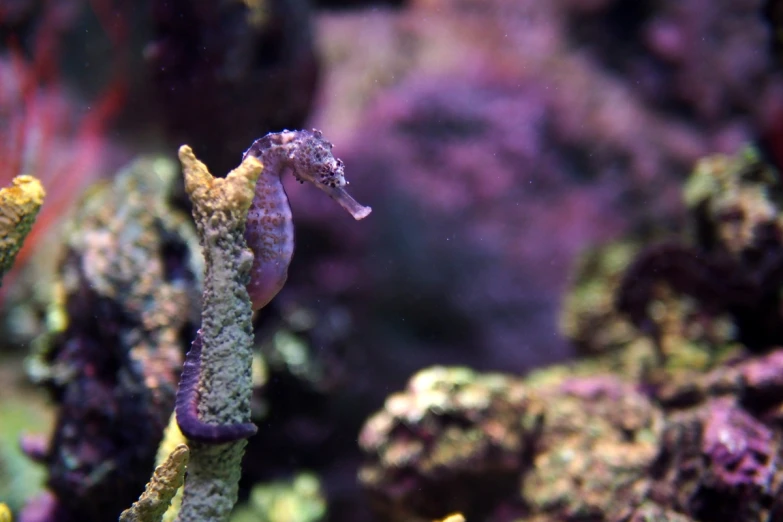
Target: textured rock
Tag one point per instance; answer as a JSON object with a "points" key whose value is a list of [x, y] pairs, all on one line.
{"points": [[454, 440], [125, 308]]}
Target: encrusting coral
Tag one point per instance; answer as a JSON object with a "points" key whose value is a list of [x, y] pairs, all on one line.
{"points": [[19, 205]]}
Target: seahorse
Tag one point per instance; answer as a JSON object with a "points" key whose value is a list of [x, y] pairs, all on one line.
{"points": [[269, 233]]}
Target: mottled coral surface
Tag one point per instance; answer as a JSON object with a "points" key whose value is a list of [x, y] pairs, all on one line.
{"points": [[493, 159]]}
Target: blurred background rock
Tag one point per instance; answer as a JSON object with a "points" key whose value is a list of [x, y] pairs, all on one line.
{"points": [[496, 140]]}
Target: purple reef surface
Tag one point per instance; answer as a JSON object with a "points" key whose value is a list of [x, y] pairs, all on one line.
{"points": [[495, 158], [672, 415]]}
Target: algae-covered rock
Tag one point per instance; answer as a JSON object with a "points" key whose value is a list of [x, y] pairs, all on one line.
{"points": [[300, 499], [651, 512], [588, 317], [124, 311], [732, 266], [457, 440], [718, 463], [735, 201], [598, 439], [454, 440]]}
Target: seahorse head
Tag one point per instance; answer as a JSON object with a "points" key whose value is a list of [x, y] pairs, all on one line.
{"points": [[314, 163]]}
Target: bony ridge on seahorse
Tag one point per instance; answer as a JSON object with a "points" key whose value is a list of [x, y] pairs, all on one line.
{"points": [[269, 233]]}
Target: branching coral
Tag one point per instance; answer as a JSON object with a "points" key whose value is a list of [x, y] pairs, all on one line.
{"points": [[162, 497], [223, 396], [19, 205], [269, 234]]}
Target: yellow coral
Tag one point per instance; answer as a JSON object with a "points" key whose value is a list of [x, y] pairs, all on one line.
{"points": [[19, 205], [172, 439], [5, 513], [235, 192], [157, 496], [455, 517]]}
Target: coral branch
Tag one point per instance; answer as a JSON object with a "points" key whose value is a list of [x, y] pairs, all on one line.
{"points": [[165, 482], [19, 205], [172, 438], [219, 208], [221, 392], [187, 406]]}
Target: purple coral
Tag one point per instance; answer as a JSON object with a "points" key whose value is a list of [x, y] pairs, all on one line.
{"points": [[718, 463], [741, 451]]}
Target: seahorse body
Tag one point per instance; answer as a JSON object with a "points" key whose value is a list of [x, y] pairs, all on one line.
{"points": [[269, 232]]}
